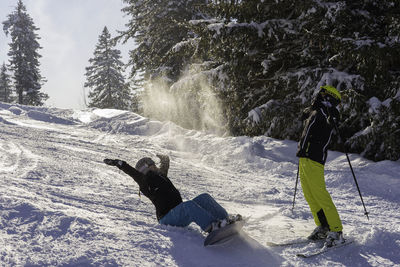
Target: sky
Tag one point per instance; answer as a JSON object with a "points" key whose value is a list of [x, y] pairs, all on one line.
{"points": [[69, 31]]}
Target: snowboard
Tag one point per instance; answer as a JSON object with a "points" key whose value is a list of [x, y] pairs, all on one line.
{"points": [[220, 235]]}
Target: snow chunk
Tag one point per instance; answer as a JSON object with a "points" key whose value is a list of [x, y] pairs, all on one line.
{"points": [[374, 105], [397, 96], [88, 116], [387, 102], [254, 115], [216, 27], [108, 113], [47, 117], [191, 42], [15, 110], [199, 21]]}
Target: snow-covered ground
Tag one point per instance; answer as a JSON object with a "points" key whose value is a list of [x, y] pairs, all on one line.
{"points": [[60, 205]]}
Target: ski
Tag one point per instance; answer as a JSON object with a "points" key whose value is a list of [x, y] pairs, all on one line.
{"points": [[322, 250], [292, 243]]}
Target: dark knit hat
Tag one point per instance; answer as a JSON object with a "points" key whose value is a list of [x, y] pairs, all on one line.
{"points": [[143, 165]]}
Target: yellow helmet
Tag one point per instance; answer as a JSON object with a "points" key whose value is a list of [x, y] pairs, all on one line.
{"points": [[332, 91]]}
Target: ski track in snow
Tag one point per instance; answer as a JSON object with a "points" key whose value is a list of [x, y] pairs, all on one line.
{"points": [[60, 205]]}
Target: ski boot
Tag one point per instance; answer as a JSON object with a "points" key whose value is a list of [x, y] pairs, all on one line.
{"points": [[234, 218], [319, 233], [333, 239]]}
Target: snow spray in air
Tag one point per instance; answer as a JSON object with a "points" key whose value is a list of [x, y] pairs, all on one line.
{"points": [[190, 102]]}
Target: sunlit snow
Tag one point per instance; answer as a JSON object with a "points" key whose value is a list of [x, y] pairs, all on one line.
{"points": [[60, 205]]}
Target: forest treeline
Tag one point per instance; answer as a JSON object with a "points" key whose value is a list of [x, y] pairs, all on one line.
{"points": [[251, 67]]}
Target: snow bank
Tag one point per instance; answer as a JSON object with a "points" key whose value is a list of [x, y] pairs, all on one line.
{"points": [[61, 206]]}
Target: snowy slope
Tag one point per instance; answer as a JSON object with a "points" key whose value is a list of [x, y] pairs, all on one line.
{"points": [[61, 206]]}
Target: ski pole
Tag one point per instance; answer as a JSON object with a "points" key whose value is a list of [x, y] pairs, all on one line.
{"points": [[358, 188], [295, 187], [352, 171]]}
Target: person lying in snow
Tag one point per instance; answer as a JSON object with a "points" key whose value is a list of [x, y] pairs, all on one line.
{"points": [[170, 209]]}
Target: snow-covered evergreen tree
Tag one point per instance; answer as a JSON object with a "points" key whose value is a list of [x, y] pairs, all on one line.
{"points": [[24, 56], [5, 85], [156, 27], [105, 76], [266, 59]]}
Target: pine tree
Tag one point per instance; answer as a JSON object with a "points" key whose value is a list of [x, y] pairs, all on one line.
{"points": [[24, 56], [5, 85], [105, 76], [266, 59], [156, 27], [160, 29], [276, 54]]}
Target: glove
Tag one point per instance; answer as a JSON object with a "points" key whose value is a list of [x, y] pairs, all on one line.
{"points": [[113, 162], [333, 117], [162, 157]]}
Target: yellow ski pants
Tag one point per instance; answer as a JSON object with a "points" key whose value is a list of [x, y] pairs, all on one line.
{"points": [[314, 189]]}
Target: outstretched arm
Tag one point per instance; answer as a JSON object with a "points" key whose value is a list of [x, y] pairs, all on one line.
{"points": [[128, 169], [164, 164]]}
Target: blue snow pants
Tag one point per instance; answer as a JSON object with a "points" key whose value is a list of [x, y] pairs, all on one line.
{"points": [[202, 210]]}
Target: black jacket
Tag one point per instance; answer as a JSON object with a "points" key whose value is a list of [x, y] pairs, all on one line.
{"points": [[157, 187], [317, 133]]}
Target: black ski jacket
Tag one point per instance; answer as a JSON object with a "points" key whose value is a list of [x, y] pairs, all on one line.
{"points": [[317, 133], [157, 187]]}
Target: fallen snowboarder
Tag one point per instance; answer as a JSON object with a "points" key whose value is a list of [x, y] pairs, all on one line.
{"points": [[170, 209]]}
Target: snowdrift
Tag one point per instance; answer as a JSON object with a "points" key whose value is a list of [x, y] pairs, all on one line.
{"points": [[61, 206]]}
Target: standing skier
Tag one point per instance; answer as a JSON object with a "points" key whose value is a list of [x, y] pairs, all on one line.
{"points": [[319, 122], [170, 210]]}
